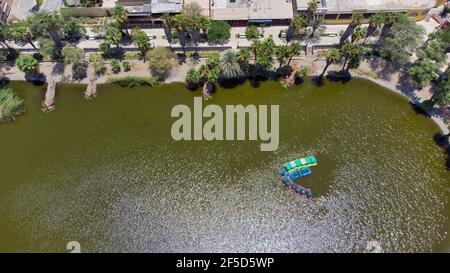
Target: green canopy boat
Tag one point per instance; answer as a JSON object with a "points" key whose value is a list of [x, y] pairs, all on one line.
{"points": [[301, 163]]}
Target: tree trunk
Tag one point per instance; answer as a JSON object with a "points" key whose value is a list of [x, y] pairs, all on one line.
{"points": [[5, 44], [32, 44], [345, 64], [324, 70]]}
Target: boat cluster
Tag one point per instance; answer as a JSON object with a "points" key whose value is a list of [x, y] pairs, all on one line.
{"points": [[294, 170]]}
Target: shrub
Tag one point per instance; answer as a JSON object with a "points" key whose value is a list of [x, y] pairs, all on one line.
{"points": [[160, 61], [99, 67], [27, 64], [115, 66], [192, 78], [10, 105], [132, 81], [126, 66], [219, 31], [252, 32]]}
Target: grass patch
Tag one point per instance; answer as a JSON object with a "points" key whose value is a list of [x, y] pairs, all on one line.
{"points": [[132, 81]]}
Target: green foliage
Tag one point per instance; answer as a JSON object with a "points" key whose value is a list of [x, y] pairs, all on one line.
{"points": [[404, 38], [10, 105], [160, 61], [20, 33], [105, 47], [73, 55], [229, 65], [126, 66], [357, 19], [244, 55], [48, 48], [282, 53], [27, 64], [358, 34], [264, 52], [423, 71], [210, 71], [115, 66], [141, 40], [44, 22], [99, 67], [113, 34], [192, 78], [312, 8], [302, 72], [300, 23], [442, 37], [433, 51], [218, 31], [353, 53], [120, 14], [443, 93], [252, 32], [71, 29], [132, 81], [332, 55], [294, 49]]}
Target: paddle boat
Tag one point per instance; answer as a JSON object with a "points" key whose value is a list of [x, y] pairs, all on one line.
{"points": [[301, 163], [295, 174], [295, 169], [287, 182]]}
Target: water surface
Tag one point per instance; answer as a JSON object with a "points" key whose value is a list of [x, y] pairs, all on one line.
{"points": [[107, 173]]}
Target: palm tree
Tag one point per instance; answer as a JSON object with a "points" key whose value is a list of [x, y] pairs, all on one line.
{"points": [[210, 72], [192, 78], [352, 52], [316, 30], [375, 23], [359, 33], [113, 34], [243, 57], [312, 9], [294, 49], [332, 56], [300, 23], [282, 54], [180, 24], [229, 65], [357, 19], [204, 24], [120, 14]]}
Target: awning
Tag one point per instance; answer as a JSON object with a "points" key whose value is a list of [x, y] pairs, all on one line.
{"points": [[260, 21]]}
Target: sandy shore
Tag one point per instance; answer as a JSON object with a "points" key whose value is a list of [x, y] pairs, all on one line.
{"points": [[375, 70]]}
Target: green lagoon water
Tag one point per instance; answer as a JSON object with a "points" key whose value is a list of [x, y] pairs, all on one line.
{"points": [[106, 173]]}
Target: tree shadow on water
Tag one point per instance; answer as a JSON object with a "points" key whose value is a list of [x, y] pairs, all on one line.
{"points": [[339, 76], [443, 142], [37, 79], [232, 83]]}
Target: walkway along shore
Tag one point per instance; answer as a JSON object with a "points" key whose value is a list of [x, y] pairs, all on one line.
{"points": [[381, 74]]}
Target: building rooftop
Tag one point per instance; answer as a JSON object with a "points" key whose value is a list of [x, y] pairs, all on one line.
{"points": [[251, 9], [372, 5]]}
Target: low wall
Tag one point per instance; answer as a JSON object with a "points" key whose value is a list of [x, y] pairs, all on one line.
{"points": [[88, 12]]}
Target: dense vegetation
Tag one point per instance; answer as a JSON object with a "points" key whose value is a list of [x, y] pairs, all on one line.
{"points": [[391, 36], [10, 105], [131, 81]]}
